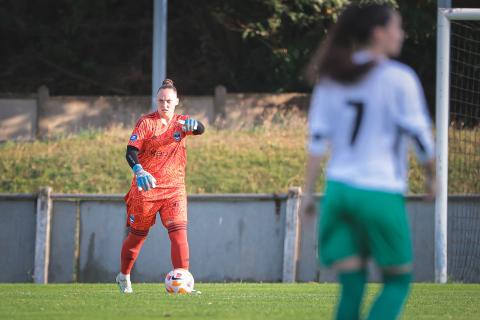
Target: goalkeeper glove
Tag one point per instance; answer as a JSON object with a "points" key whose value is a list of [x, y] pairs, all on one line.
{"points": [[190, 125], [145, 181]]}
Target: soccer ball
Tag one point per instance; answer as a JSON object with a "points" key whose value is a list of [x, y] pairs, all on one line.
{"points": [[179, 281]]}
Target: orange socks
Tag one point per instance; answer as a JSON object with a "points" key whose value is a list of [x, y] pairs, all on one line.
{"points": [[179, 245], [131, 248], [135, 239]]}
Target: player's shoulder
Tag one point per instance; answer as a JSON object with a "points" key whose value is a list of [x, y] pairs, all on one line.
{"points": [[147, 118], [323, 89], [397, 73], [324, 84]]}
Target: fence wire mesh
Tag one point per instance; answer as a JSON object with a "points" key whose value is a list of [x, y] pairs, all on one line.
{"points": [[464, 152]]}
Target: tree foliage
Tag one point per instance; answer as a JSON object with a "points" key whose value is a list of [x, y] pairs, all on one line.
{"points": [[104, 47]]}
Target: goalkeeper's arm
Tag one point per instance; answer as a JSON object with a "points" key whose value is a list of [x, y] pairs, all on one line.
{"points": [[192, 126], [132, 156], [200, 129], [145, 181]]}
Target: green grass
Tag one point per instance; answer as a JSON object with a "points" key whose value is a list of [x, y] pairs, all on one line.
{"points": [[250, 160], [220, 301]]}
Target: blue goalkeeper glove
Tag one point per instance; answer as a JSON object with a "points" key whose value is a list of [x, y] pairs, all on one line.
{"points": [[190, 125], [145, 181]]}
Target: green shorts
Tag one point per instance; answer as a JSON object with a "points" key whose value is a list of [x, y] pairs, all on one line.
{"points": [[363, 223]]}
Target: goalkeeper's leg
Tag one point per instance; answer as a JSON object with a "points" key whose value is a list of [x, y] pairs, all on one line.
{"points": [[179, 245], [140, 217], [130, 250], [174, 218]]}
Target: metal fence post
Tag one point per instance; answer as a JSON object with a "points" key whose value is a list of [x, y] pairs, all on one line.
{"points": [[42, 236], [291, 243], [159, 54]]}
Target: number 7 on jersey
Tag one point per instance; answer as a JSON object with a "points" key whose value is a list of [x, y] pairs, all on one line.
{"points": [[359, 107]]}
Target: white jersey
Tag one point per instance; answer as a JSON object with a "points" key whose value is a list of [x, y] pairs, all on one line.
{"points": [[367, 126]]}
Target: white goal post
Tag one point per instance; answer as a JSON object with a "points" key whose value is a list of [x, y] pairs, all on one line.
{"points": [[444, 17]]}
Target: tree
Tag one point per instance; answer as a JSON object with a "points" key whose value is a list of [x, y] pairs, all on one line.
{"points": [[104, 47]]}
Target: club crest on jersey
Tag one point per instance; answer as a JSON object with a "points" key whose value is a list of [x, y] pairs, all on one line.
{"points": [[177, 136], [133, 137], [131, 218]]}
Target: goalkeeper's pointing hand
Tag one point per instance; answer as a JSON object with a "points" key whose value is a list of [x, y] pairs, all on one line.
{"points": [[190, 125], [145, 181]]}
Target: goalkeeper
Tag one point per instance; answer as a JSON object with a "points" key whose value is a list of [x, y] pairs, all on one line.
{"points": [[156, 153]]}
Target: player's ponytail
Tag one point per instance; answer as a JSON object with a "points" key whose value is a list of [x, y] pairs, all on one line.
{"points": [[352, 31]]}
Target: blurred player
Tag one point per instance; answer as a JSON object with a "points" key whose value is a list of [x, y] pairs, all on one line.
{"points": [[366, 107], [156, 153]]}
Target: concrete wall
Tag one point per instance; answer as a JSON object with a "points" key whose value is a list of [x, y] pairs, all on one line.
{"points": [[421, 217], [17, 239], [18, 119], [221, 234], [63, 242], [464, 239], [237, 240], [63, 114], [27, 118], [231, 239]]}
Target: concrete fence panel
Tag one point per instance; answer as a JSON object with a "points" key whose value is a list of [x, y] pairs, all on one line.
{"points": [[232, 238], [17, 239], [63, 242], [237, 240], [102, 230], [463, 239]]}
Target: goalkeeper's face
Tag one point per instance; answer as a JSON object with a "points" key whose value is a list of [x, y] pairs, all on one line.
{"points": [[167, 100], [390, 37]]}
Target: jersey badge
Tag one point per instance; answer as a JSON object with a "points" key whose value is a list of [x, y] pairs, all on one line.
{"points": [[133, 137], [132, 218], [177, 136]]}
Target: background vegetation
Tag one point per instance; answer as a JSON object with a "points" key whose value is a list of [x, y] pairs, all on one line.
{"points": [[104, 47], [249, 160]]}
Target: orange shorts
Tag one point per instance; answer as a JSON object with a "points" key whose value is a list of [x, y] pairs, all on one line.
{"points": [[141, 214]]}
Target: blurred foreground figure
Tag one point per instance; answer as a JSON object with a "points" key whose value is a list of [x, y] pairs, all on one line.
{"points": [[366, 108]]}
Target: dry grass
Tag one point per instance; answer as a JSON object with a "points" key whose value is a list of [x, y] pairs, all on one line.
{"points": [[267, 156]]}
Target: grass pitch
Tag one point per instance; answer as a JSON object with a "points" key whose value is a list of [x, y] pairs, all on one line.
{"points": [[220, 301]]}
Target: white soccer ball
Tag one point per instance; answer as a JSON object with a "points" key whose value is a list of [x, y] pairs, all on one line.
{"points": [[179, 281]]}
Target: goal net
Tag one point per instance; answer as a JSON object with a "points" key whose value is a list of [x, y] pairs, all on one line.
{"points": [[464, 129], [461, 120]]}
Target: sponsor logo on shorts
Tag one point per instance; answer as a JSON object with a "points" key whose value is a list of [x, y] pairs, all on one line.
{"points": [[134, 137], [177, 136], [131, 218]]}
